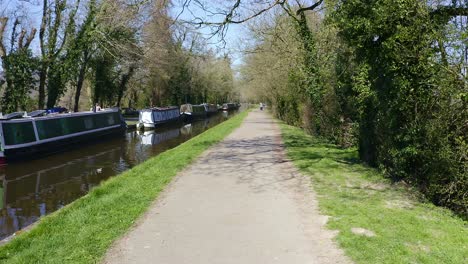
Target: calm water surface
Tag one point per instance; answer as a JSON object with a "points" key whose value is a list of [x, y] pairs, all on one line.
{"points": [[32, 189]]}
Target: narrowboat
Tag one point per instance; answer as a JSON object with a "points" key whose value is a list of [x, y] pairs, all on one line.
{"points": [[151, 117], [23, 136], [190, 112], [230, 106], [210, 109]]}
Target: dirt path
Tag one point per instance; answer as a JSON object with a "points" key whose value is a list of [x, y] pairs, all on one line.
{"points": [[241, 202]]}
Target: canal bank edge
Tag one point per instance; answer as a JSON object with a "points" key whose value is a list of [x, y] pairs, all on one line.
{"points": [[82, 231]]}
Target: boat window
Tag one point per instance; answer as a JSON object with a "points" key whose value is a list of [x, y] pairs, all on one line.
{"points": [[88, 122], [49, 128], [102, 120], [78, 124], [110, 120], [113, 119], [18, 133]]}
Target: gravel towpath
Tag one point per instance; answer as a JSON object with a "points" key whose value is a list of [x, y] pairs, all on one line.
{"points": [[242, 201]]}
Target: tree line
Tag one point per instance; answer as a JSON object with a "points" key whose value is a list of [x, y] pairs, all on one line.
{"points": [[118, 53], [389, 77]]}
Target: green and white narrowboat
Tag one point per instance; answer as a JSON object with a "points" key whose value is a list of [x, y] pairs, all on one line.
{"points": [[24, 136]]}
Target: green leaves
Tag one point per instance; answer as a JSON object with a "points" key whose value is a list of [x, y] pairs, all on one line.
{"points": [[398, 87], [386, 68], [19, 67]]}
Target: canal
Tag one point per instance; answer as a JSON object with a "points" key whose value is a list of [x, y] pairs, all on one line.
{"points": [[32, 189]]}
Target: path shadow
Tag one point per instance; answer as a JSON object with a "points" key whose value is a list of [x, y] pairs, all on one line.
{"points": [[256, 162]]}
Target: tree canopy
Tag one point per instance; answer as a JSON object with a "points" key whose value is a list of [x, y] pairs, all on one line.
{"points": [[112, 52]]}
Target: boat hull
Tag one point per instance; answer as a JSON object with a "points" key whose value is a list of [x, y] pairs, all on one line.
{"points": [[191, 112], [153, 125], [188, 117], [230, 107], [38, 150], [32, 137]]}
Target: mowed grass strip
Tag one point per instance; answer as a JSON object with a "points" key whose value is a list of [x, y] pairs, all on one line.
{"points": [[82, 231], [391, 225]]}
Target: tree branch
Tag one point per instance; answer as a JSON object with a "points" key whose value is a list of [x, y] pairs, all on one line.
{"points": [[287, 8], [69, 27], [3, 23], [256, 14], [42, 29], [450, 11], [13, 34], [21, 38], [231, 12], [312, 7], [30, 38]]}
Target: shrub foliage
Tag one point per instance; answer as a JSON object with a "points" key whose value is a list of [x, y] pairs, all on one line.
{"points": [[388, 76]]}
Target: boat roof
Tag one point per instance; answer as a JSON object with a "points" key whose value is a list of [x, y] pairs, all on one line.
{"points": [[13, 115], [37, 113], [19, 116], [160, 108]]}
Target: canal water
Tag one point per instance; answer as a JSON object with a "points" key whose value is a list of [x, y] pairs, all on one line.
{"points": [[35, 188]]}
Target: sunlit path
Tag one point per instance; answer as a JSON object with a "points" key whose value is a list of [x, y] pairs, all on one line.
{"points": [[241, 202]]}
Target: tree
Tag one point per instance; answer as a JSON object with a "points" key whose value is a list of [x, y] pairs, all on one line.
{"points": [[53, 33], [398, 68], [18, 65]]}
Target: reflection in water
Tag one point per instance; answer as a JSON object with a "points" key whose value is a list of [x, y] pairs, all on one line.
{"points": [[186, 130], [152, 137], [38, 187]]}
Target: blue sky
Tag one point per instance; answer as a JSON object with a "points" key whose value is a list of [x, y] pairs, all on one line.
{"points": [[234, 36], [28, 10]]}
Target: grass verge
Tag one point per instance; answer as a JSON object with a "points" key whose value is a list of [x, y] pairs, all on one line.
{"points": [[82, 231], [396, 226]]}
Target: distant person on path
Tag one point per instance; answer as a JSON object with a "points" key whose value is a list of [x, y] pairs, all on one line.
{"points": [[261, 106]]}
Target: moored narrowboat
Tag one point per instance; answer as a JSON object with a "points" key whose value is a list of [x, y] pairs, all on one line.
{"points": [[151, 117], [25, 136], [191, 112], [210, 109], [230, 106]]}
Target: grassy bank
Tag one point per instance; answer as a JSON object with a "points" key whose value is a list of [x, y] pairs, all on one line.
{"points": [[82, 231], [396, 226]]}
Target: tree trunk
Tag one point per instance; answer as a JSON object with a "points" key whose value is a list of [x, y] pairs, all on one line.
{"points": [[123, 84], [79, 86], [42, 82], [443, 53]]}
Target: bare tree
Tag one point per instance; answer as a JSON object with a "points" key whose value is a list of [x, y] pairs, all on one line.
{"points": [[219, 18], [23, 39]]}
